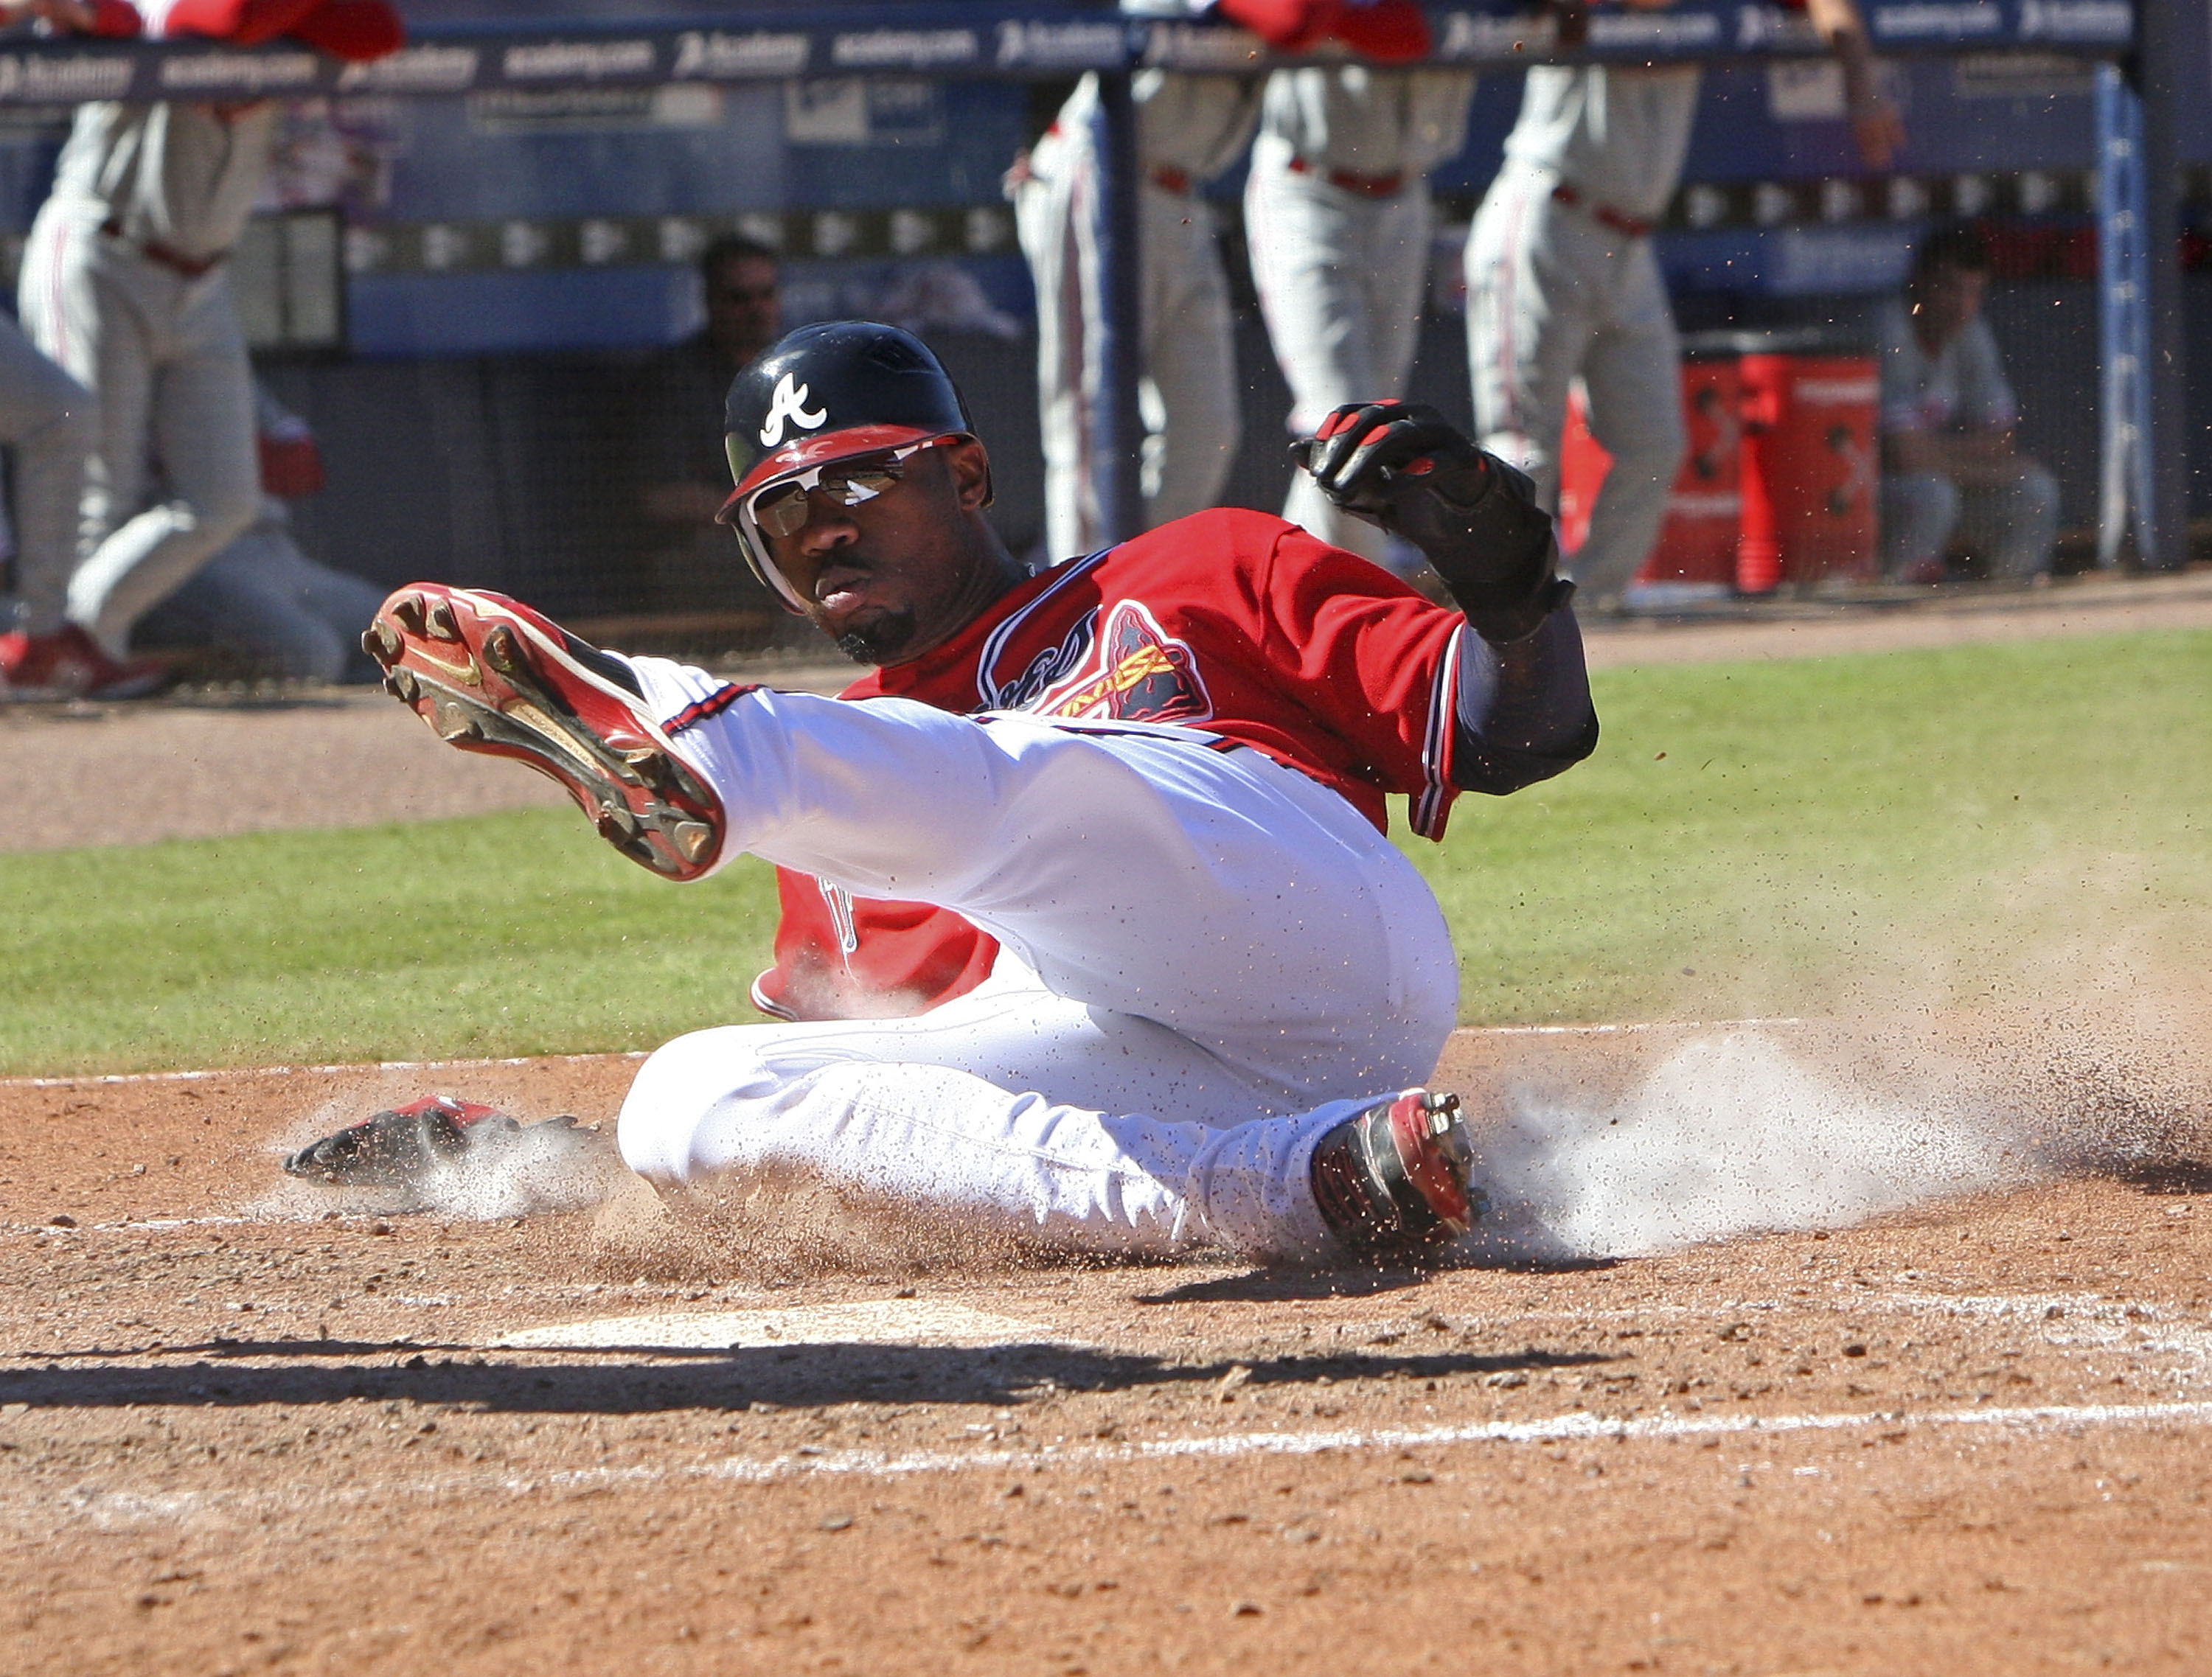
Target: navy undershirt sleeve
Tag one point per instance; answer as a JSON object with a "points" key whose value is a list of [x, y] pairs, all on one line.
{"points": [[1523, 712]]}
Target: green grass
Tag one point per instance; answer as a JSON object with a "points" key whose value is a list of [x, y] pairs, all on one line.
{"points": [[1749, 837], [1810, 835]]}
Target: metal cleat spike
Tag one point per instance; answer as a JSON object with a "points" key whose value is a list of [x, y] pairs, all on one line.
{"points": [[403, 686], [438, 620], [501, 651], [616, 824], [454, 724], [690, 839], [652, 766], [382, 642], [408, 608]]}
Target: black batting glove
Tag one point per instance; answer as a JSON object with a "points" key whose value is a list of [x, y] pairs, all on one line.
{"points": [[1404, 466]]}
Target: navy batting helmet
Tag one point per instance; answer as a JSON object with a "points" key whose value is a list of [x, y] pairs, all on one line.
{"points": [[827, 393]]}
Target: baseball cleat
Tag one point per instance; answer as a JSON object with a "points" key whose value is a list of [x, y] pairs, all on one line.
{"points": [[1391, 1181], [491, 675], [396, 1147]]}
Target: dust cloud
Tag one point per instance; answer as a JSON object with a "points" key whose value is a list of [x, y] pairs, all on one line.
{"points": [[1722, 1133], [1730, 1135]]}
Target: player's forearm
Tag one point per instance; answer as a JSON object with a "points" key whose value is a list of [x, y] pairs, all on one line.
{"points": [[1523, 712]]}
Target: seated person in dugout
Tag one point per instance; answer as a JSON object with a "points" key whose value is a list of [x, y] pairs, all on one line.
{"points": [[1948, 464], [1094, 937], [676, 463]]}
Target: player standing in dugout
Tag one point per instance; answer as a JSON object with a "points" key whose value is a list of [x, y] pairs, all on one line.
{"points": [[127, 285], [1093, 934], [1562, 282]]}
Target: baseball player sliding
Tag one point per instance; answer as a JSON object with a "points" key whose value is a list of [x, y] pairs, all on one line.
{"points": [[1561, 282], [1155, 777], [124, 284]]}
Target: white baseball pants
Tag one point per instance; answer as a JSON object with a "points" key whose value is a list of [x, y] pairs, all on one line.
{"points": [[1339, 277], [1554, 294], [1188, 396], [1210, 960], [166, 358]]}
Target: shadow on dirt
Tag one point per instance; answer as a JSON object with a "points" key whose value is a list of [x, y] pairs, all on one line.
{"points": [[2172, 1175], [611, 1381], [1275, 1287]]}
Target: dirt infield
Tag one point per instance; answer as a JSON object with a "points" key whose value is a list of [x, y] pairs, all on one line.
{"points": [[1947, 1410], [238, 1434]]}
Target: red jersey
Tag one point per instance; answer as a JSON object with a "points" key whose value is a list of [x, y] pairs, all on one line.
{"points": [[1235, 624]]}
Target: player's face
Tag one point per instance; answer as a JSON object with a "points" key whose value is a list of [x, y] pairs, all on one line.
{"points": [[1949, 298], [897, 575], [744, 308]]}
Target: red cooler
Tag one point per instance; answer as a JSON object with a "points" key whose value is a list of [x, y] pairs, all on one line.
{"points": [[1810, 469], [1697, 545], [1584, 463]]}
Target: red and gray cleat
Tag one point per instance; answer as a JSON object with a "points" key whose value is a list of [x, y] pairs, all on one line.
{"points": [[1391, 1181], [396, 1146], [70, 664], [489, 674]]}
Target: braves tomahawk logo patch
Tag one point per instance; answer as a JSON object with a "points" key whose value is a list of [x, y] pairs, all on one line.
{"points": [[1143, 674], [789, 403]]}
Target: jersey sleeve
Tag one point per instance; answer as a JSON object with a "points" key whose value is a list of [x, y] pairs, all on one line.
{"points": [[839, 957], [355, 30], [1373, 662]]}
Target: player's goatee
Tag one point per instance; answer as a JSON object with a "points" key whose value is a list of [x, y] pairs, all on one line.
{"points": [[881, 640]]}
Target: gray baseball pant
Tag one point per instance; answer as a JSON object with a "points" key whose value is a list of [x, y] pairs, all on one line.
{"points": [[1552, 294], [1187, 399], [51, 423], [263, 598], [166, 358], [1339, 277], [2015, 523]]}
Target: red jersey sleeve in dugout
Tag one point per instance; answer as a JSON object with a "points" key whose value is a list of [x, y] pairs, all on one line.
{"points": [[116, 19], [839, 956], [351, 29]]}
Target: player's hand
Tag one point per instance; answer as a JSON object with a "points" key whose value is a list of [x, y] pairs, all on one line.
{"points": [[1369, 456], [1404, 466]]}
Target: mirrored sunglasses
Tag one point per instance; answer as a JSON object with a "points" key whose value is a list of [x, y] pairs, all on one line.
{"points": [[781, 509]]}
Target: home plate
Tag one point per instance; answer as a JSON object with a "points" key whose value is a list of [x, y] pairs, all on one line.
{"points": [[879, 1322]]}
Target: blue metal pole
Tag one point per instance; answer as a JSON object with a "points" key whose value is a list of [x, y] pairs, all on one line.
{"points": [[2126, 491], [1118, 423], [2161, 53]]}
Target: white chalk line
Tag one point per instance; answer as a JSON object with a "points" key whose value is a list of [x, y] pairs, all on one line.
{"points": [[1579, 1426]]}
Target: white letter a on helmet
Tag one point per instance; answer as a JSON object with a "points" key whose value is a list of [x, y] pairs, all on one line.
{"points": [[789, 401]]}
